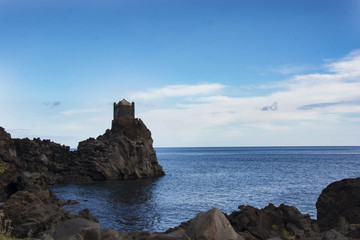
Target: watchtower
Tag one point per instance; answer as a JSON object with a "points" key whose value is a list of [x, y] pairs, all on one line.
{"points": [[124, 109]]}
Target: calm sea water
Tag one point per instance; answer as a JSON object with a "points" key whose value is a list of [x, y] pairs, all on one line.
{"points": [[198, 179]]}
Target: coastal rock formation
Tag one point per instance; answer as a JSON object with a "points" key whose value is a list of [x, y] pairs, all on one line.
{"points": [[283, 221], [28, 167], [339, 204], [32, 213], [123, 152]]}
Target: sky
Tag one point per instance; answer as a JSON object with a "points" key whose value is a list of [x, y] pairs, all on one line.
{"points": [[201, 73]]}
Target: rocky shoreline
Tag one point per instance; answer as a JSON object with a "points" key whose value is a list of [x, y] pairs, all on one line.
{"points": [[28, 209]]}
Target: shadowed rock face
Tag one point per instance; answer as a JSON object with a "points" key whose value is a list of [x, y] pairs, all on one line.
{"points": [[339, 199], [32, 212], [271, 221]]}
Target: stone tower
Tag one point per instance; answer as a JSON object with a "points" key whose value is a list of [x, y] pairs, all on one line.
{"points": [[124, 109]]}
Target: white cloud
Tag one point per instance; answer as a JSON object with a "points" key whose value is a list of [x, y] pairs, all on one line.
{"points": [[349, 64], [177, 91], [318, 101]]}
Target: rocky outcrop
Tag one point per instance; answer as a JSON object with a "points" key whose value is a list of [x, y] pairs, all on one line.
{"points": [[123, 152], [32, 213], [339, 199], [29, 166], [338, 207], [283, 221], [338, 217]]}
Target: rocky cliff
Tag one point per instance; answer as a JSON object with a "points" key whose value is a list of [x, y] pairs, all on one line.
{"points": [[27, 167], [123, 152]]}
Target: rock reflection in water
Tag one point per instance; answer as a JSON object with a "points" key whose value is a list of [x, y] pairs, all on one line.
{"points": [[128, 204]]}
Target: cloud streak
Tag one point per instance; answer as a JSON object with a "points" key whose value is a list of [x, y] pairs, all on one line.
{"points": [[317, 105], [52, 104]]}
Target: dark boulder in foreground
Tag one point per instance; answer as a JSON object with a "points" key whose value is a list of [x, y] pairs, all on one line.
{"points": [[210, 225], [338, 217], [339, 202], [32, 213], [283, 221]]}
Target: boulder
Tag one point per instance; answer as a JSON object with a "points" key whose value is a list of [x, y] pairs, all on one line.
{"points": [[339, 199], [173, 235], [136, 235], [86, 213], [333, 235], [110, 234], [211, 225], [32, 213], [283, 221], [77, 228]]}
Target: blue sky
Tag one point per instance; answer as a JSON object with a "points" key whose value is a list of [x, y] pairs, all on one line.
{"points": [[201, 73]]}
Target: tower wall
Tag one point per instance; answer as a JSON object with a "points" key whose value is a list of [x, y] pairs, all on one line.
{"points": [[124, 109]]}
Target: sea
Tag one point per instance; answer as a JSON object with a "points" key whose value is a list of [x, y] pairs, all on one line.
{"points": [[198, 179]]}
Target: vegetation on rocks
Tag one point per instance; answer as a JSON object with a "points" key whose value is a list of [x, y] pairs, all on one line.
{"points": [[3, 167]]}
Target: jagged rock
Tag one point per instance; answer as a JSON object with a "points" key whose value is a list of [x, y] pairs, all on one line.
{"points": [[110, 234], [136, 235], [67, 202], [333, 235], [174, 235], [32, 213], [351, 231], [9, 164], [282, 221], [339, 199], [86, 213], [211, 225], [77, 228], [123, 152]]}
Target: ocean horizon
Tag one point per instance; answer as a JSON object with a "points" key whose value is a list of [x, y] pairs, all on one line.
{"points": [[200, 178]]}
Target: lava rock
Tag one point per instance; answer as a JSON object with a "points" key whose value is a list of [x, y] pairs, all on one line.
{"points": [[32, 213], [339, 199], [211, 225], [77, 228], [283, 221]]}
